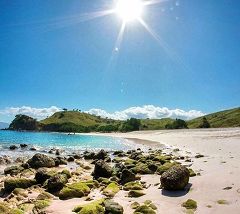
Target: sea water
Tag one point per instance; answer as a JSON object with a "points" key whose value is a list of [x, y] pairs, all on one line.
{"points": [[44, 141]]}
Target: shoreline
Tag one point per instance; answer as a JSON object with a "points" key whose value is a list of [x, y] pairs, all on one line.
{"points": [[211, 153]]}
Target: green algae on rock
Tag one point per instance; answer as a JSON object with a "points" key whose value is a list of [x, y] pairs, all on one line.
{"points": [[74, 190], [144, 209], [190, 204], [95, 207], [12, 183], [135, 193], [112, 207], [133, 185], [111, 190]]}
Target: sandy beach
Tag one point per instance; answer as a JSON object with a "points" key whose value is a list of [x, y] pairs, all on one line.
{"points": [[213, 154], [219, 168]]}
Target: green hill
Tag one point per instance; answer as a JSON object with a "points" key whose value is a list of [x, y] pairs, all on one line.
{"points": [[75, 121], [221, 119], [155, 124]]}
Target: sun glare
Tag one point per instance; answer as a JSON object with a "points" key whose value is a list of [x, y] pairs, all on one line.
{"points": [[129, 10]]}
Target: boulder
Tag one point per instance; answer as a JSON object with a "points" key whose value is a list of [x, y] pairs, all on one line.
{"points": [[12, 183], [41, 160], [112, 207], [70, 159], [74, 190], [43, 174], [56, 182], [23, 145], [127, 176], [88, 155], [144, 209], [102, 169], [60, 161], [101, 155], [13, 147], [95, 207], [135, 193], [13, 170], [175, 178], [111, 190]]}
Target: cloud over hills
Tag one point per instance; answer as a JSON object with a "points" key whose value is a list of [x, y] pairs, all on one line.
{"points": [[38, 113], [148, 111], [141, 112]]}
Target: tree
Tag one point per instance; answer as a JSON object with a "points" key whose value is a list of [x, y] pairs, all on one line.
{"points": [[177, 124], [24, 122], [205, 123], [131, 124]]}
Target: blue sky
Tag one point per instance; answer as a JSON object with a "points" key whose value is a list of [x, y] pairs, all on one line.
{"points": [[50, 58]]}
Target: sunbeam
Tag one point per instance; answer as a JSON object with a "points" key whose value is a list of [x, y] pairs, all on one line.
{"points": [[150, 2], [171, 53]]}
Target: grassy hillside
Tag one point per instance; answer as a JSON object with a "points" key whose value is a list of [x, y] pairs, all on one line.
{"points": [[222, 119], [75, 121], [155, 124], [76, 117]]}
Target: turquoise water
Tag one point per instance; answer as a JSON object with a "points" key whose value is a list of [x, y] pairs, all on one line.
{"points": [[67, 143]]}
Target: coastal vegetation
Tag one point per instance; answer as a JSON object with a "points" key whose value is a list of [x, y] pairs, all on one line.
{"points": [[77, 121]]}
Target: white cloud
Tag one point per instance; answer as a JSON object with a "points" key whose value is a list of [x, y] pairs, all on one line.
{"points": [[147, 111], [38, 113]]}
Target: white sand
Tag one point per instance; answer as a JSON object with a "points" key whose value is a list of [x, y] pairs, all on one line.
{"points": [[219, 168]]}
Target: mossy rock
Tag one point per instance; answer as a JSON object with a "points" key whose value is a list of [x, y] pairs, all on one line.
{"points": [[95, 207], [144, 209], [153, 206], [163, 168], [175, 178], [130, 161], [12, 183], [162, 158], [74, 190], [127, 176], [41, 204], [41, 160], [111, 190], [147, 202], [43, 174], [19, 191], [190, 204], [135, 205], [92, 184], [133, 185], [141, 168], [67, 173], [102, 169], [111, 207], [135, 193], [13, 170], [191, 172], [104, 181], [44, 195], [56, 182]]}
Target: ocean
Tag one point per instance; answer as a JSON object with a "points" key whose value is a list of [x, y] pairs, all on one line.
{"points": [[44, 141]]}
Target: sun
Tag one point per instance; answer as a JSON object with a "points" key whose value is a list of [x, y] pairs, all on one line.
{"points": [[129, 10]]}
